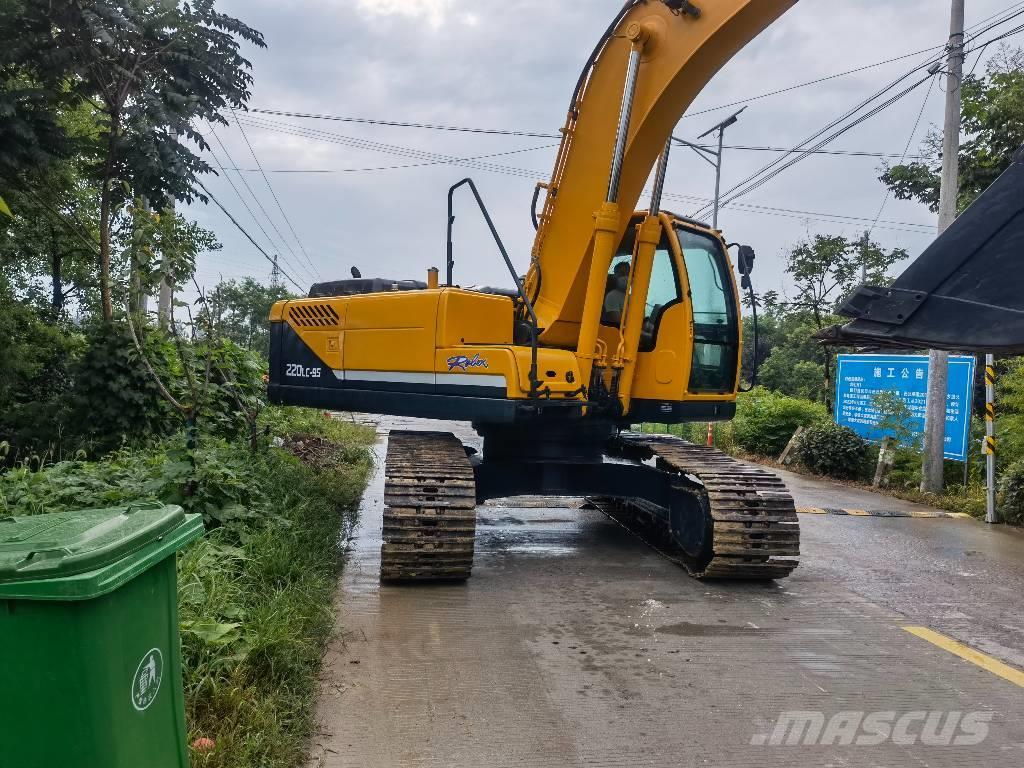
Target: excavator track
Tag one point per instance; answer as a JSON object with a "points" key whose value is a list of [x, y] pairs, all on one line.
{"points": [[430, 509], [755, 533]]}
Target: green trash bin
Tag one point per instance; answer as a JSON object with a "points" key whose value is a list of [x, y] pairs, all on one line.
{"points": [[90, 657]]}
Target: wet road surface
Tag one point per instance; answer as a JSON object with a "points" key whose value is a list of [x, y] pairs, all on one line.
{"points": [[574, 644]]}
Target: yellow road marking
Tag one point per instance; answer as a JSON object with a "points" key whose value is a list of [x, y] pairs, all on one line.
{"points": [[858, 512], [812, 511], [966, 653]]}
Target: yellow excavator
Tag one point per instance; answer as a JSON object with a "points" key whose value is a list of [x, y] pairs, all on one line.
{"points": [[623, 317]]}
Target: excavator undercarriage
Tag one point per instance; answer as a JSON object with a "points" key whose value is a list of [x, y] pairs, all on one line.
{"points": [[716, 516]]}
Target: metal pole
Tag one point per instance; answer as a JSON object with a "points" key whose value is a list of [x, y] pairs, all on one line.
{"points": [[991, 515], [622, 134], [718, 175], [659, 179], [865, 243], [938, 377]]}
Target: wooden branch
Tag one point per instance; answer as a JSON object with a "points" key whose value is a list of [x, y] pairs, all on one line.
{"points": [[153, 374]]}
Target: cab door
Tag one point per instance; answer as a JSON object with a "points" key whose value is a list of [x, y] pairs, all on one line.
{"points": [[712, 297], [689, 350]]}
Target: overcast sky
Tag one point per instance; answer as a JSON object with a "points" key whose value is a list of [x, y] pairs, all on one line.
{"points": [[511, 65]]}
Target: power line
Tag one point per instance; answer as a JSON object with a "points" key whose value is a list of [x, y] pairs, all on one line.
{"points": [[249, 237], [241, 198], [274, 195], [536, 135], [393, 167], [524, 173], [764, 175], [910, 140], [259, 205], [741, 190], [392, 149], [398, 124], [791, 213]]}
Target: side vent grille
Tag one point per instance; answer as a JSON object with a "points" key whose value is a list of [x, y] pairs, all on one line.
{"points": [[314, 316]]}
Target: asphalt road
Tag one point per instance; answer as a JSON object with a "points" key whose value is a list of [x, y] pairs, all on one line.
{"points": [[574, 644]]}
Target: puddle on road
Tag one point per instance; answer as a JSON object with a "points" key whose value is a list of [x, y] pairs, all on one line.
{"points": [[686, 629]]}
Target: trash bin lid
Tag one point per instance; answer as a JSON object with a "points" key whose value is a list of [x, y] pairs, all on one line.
{"points": [[62, 544]]}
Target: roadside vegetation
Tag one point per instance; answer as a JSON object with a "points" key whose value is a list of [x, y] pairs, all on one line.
{"points": [[109, 395]]}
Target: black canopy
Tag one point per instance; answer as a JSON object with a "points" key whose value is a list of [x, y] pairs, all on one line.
{"points": [[965, 292]]}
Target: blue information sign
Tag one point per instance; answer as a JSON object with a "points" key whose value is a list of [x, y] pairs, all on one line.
{"points": [[861, 378]]}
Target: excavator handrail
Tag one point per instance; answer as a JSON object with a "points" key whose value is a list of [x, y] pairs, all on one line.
{"points": [[534, 329]]}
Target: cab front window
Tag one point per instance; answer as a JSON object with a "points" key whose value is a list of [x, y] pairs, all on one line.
{"points": [[715, 317]]}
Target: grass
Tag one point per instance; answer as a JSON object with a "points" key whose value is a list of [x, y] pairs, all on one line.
{"points": [[255, 594]]}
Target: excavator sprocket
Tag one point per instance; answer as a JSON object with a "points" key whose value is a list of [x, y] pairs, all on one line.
{"points": [[430, 509], [751, 517]]}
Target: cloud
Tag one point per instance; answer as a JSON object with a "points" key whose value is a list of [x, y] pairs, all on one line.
{"points": [[436, 12]]}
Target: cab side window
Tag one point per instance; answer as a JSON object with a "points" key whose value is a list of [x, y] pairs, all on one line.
{"points": [[715, 321], [663, 293]]}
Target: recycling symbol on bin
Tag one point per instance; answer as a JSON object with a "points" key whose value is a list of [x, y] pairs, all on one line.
{"points": [[146, 684]]}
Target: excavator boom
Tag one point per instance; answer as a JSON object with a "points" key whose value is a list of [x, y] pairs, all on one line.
{"points": [[683, 45]]}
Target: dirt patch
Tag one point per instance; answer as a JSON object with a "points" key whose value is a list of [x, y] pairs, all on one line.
{"points": [[317, 452]]}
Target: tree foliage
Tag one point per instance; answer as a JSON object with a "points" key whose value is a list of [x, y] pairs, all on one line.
{"points": [[993, 123], [153, 72], [240, 311], [825, 268]]}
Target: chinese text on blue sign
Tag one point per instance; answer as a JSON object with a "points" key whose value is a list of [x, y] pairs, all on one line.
{"points": [[861, 378]]}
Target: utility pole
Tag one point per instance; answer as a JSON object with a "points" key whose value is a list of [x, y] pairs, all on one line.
{"points": [[706, 154], [938, 376], [166, 295], [275, 275]]}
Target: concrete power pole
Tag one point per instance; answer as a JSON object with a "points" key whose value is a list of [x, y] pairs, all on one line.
{"points": [[166, 295], [938, 377]]}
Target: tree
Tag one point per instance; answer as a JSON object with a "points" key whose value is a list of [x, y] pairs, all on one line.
{"points": [[154, 243], [51, 237], [241, 312], [153, 71], [993, 118], [827, 268]]}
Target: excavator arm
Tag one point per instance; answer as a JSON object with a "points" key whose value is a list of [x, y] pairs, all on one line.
{"points": [[679, 47]]}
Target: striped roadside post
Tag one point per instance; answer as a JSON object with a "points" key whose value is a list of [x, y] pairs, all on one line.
{"points": [[991, 515]]}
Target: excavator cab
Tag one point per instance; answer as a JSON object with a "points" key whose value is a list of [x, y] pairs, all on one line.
{"points": [[689, 346]]}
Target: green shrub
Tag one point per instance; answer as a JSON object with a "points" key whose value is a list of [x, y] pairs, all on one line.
{"points": [[236, 388], [1011, 494], [115, 400], [36, 358], [832, 450], [765, 421]]}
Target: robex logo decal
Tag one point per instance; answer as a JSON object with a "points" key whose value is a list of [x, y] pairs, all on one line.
{"points": [[869, 729], [463, 363]]}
